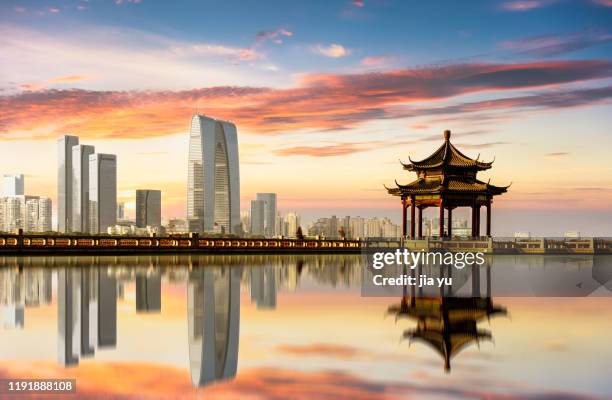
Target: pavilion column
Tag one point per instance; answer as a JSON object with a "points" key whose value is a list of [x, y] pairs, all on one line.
{"points": [[412, 219], [478, 220], [450, 222], [420, 222], [441, 218], [404, 218], [489, 218], [473, 224]]}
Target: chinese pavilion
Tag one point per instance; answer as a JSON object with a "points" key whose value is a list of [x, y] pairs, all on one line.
{"points": [[446, 179]]}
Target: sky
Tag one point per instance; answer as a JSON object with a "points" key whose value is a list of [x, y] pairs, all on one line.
{"points": [[327, 97]]}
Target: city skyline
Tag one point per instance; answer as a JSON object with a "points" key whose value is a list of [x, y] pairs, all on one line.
{"points": [[323, 113]]}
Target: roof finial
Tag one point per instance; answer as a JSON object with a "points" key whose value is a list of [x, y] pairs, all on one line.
{"points": [[447, 135]]}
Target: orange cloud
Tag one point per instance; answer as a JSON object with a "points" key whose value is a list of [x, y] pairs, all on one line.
{"points": [[320, 101], [320, 349], [339, 149]]}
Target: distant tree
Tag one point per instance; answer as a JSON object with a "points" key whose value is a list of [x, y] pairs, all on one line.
{"points": [[299, 234], [341, 233]]}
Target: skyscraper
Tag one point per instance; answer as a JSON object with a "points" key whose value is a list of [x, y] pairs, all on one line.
{"points": [[213, 184], [12, 185], [64, 182], [293, 222], [269, 200], [257, 217], [102, 192], [80, 187], [148, 208]]}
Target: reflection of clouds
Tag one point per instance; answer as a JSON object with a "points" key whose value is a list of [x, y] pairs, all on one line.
{"points": [[151, 381]]}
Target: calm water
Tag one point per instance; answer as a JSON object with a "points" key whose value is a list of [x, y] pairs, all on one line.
{"points": [[290, 327]]}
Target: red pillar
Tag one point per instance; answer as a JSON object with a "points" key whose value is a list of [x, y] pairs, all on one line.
{"points": [[412, 219], [420, 222], [403, 218], [441, 218], [450, 222], [489, 218]]}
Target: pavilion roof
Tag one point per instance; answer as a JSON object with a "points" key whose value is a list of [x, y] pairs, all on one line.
{"points": [[438, 184], [447, 155]]}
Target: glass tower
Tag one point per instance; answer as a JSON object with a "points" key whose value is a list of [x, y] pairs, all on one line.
{"points": [[102, 192], [64, 182], [213, 181]]}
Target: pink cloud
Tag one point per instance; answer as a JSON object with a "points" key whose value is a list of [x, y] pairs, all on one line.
{"points": [[525, 5]]}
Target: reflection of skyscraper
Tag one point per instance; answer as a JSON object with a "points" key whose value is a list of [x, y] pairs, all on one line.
{"points": [[89, 311], [148, 293], [13, 315], [64, 182], [269, 200], [214, 321], [68, 313], [107, 310], [213, 188], [263, 286], [80, 187]]}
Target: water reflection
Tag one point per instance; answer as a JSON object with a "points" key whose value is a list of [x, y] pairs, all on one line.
{"points": [[88, 290], [448, 323]]}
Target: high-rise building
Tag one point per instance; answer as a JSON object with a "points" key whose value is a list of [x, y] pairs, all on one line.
{"points": [[245, 220], [257, 217], [102, 192], [148, 208], [269, 200], [213, 182], [120, 211], [30, 213], [64, 182], [293, 222], [80, 187], [13, 185]]}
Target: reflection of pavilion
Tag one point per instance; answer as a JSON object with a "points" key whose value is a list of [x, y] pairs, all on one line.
{"points": [[214, 321], [449, 324]]}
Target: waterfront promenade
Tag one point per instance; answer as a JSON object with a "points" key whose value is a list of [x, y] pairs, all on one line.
{"points": [[32, 244]]}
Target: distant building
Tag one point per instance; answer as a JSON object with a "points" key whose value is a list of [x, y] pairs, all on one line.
{"points": [[80, 187], [245, 220], [120, 211], [102, 192], [30, 213], [270, 211], [522, 235], [293, 222], [13, 185], [257, 217], [64, 182], [175, 226], [148, 208], [572, 234], [213, 182]]}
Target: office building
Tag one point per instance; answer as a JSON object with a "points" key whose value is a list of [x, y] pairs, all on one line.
{"points": [[120, 211], [148, 208], [213, 181], [257, 217], [102, 192], [64, 182], [269, 200], [13, 185], [80, 187], [245, 221], [292, 221]]}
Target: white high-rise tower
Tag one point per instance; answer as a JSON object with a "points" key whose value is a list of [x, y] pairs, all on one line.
{"points": [[213, 184]]}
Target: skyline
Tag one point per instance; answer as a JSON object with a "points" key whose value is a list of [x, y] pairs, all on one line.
{"points": [[323, 114]]}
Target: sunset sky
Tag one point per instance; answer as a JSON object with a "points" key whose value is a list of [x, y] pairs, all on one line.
{"points": [[326, 96]]}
